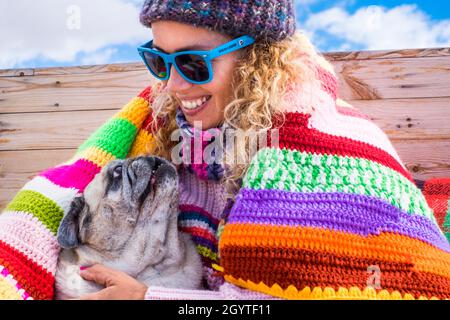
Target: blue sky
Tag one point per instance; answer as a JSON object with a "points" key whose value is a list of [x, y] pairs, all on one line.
{"points": [[47, 33]]}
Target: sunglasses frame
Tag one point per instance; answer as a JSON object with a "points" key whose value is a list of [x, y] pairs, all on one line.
{"points": [[207, 56]]}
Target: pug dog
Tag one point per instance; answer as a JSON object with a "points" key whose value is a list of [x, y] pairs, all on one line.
{"points": [[127, 220]]}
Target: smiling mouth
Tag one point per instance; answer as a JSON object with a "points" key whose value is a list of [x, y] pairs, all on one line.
{"points": [[194, 108]]}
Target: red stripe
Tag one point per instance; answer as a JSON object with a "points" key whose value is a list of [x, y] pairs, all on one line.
{"points": [[294, 134], [146, 125], [146, 94], [193, 208], [200, 232], [439, 205], [33, 278], [437, 186]]}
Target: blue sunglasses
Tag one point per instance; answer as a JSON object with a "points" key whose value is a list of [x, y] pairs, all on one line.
{"points": [[193, 66]]}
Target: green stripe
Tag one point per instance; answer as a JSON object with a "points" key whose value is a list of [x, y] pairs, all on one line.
{"points": [[446, 224], [115, 136], [206, 252], [46, 210], [305, 172]]}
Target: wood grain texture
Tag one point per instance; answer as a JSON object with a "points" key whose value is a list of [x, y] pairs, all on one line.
{"points": [[46, 113], [409, 119], [387, 54], [394, 78], [425, 119], [17, 167], [406, 78], [66, 92], [52, 130]]}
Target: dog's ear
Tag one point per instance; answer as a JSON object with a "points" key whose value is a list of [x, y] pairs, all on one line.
{"points": [[68, 231]]}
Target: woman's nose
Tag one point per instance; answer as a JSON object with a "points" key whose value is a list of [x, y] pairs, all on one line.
{"points": [[176, 82]]}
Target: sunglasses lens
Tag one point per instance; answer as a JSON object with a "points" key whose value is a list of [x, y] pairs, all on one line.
{"points": [[193, 66], [156, 64]]}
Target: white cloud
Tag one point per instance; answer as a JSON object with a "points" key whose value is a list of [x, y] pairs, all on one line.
{"points": [[99, 57], [377, 28], [48, 29]]}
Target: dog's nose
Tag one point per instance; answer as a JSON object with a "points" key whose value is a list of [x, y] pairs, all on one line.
{"points": [[153, 162]]}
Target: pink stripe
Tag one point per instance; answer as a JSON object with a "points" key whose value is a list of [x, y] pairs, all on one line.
{"points": [[28, 235], [329, 82], [162, 293], [77, 175], [351, 112]]}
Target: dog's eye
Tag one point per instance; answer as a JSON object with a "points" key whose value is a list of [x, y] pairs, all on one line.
{"points": [[117, 173]]}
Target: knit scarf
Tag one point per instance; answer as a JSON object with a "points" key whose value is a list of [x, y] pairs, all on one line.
{"points": [[197, 159]]}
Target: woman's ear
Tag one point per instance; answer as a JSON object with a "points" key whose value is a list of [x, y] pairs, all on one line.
{"points": [[68, 231]]}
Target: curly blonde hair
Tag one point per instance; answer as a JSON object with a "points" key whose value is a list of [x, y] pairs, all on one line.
{"points": [[263, 75]]}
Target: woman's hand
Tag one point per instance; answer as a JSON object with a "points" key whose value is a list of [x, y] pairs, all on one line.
{"points": [[118, 285]]}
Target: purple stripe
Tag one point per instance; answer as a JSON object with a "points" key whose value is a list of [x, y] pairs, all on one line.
{"points": [[204, 242], [358, 214]]}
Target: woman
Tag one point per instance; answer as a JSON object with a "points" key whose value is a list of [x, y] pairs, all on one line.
{"points": [[326, 210]]}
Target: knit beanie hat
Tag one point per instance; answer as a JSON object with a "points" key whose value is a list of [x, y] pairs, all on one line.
{"points": [[269, 20]]}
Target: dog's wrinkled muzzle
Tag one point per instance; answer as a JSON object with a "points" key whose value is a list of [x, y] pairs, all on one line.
{"points": [[144, 174]]}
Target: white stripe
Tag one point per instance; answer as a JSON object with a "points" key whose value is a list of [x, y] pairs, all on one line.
{"points": [[61, 196], [197, 223], [327, 119]]}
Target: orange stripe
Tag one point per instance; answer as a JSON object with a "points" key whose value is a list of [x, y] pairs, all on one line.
{"points": [[387, 246]]}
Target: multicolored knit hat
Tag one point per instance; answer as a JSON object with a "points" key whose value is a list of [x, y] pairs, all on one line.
{"points": [[269, 20]]}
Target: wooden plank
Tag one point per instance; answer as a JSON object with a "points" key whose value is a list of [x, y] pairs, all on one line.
{"points": [[71, 91], [138, 65], [425, 159], [86, 69], [401, 119], [389, 54], [17, 167], [103, 91], [358, 79], [16, 72], [409, 119], [394, 78], [53, 130]]}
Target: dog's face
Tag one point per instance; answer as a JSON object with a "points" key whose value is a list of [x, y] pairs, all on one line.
{"points": [[126, 196]]}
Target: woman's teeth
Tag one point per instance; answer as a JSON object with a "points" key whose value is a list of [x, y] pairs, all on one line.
{"points": [[192, 104]]}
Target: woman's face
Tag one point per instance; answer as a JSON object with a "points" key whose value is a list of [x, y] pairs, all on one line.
{"points": [[171, 37]]}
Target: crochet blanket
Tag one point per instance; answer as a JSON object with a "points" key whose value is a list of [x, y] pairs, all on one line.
{"points": [[331, 213], [28, 226], [334, 214]]}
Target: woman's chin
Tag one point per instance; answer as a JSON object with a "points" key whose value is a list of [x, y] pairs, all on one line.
{"points": [[202, 118], [204, 123]]}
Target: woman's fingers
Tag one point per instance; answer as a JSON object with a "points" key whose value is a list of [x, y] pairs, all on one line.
{"points": [[118, 285], [99, 274]]}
